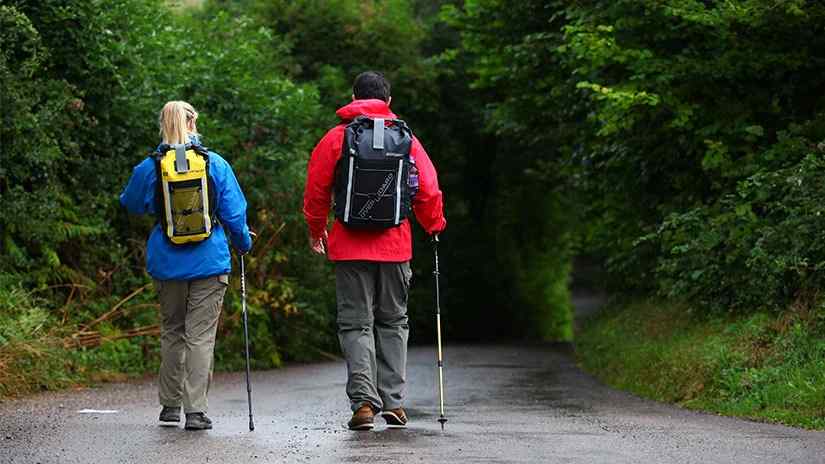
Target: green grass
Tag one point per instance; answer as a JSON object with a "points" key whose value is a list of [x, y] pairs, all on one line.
{"points": [[34, 356], [762, 366]]}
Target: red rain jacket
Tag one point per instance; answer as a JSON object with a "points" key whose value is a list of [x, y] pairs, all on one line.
{"points": [[346, 244]]}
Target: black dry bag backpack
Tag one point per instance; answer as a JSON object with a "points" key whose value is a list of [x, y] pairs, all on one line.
{"points": [[372, 177]]}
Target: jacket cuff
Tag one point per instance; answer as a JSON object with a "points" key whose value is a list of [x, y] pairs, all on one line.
{"points": [[438, 227], [243, 245], [316, 228]]}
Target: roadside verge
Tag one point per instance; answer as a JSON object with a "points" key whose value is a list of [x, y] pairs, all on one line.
{"points": [[761, 366]]}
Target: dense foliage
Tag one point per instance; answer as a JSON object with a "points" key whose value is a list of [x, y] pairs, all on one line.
{"points": [[678, 142], [83, 82], [686, 139], [690, 133]]}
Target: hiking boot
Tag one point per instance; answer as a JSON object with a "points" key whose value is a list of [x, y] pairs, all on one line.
{"points": [[197, 421], [362, 419], [396, 418], [170, 414]]}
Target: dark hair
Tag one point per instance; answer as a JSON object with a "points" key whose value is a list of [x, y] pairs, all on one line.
{"points": [[371, 84]]}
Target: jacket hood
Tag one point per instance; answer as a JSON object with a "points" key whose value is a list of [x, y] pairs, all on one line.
{"points": [[372, 108]]}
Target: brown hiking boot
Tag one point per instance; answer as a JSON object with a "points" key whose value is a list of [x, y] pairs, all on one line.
{"points": [[396, 418], [362, 419]]}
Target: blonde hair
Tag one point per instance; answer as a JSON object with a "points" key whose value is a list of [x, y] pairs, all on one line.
{"points": [[175, 119]]}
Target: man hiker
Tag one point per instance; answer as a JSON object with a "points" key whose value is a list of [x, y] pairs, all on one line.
{"points": [[379, 173]]}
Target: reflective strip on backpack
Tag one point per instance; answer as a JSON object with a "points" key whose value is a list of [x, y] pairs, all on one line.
{"points": [[207, 219], [167, 198], [349, 190], [398, 192], [378, 134]]}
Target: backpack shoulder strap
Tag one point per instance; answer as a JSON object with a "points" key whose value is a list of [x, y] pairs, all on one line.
{"points": [[156, 156], [199, 149], [212, 188]]}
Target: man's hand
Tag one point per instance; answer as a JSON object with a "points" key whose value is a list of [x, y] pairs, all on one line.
{"points": [[319, 245]]}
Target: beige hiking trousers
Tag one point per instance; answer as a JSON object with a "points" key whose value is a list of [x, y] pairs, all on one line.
{"points": [[189, 321]]}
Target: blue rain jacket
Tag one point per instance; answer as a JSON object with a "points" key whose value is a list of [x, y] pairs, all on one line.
{"points": [[166, 261]]}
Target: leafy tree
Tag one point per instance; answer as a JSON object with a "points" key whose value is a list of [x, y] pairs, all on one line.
{"points": [[665, 118]]}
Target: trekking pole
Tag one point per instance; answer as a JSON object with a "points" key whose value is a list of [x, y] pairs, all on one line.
{"points": [[246, 343], [441, 417]]}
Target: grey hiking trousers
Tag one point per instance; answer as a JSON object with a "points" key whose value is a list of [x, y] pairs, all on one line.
{"points": [[189, 322], [373, 330]]}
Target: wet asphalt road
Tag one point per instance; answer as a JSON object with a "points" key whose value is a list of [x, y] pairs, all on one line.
{"points": [[506, 404]]}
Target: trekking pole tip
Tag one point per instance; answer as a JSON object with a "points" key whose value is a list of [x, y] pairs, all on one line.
{"points": [[443, 420], [251, 425]]}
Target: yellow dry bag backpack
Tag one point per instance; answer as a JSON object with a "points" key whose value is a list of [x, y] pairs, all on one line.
{"points": [[185, 194]]}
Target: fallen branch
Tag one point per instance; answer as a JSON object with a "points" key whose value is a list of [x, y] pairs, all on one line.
{"points": [[93, 338], [52, 287], [115, 308]]}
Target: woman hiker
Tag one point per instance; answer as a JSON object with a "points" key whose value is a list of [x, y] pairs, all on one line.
{"points": [[197, 202]]}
